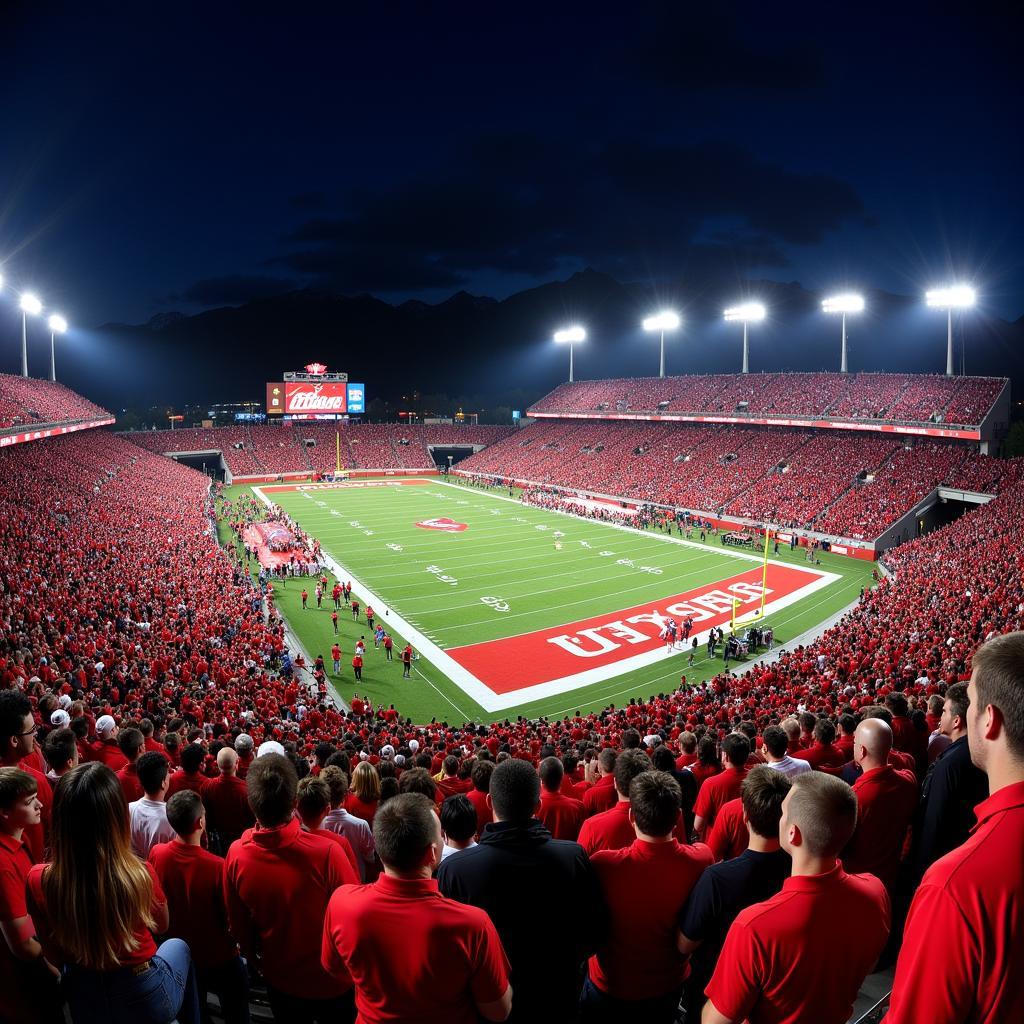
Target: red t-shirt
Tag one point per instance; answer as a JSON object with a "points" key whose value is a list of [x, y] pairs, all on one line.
{"points": [[195, 781], [786, 955], [645, 886], [342, 841], [277, 882], [963, 948], [600, 796], [145, 945], [35, 836], [609, 830], [562, 816], [15, 864], [227, 805], [483, 812], [193, 879], [729, 836], [716, 792], [450, 958], [886, 800], [130, 785]]}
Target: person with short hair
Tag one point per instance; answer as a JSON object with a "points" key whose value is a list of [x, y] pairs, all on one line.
{"points": [[823, 755], [722, 788], [281, 936], [451, 966], [886, 801], [612, 829], [17, 743], [517, 867], [775, 748], [961, 956], [477, 796], [96, 915], [638, 972], [193, 758], [193, 880], [27, 981], [458, 825], [785, 955], [602, 795], [226, 802], [313, 803], [562, 816], [131, 743], [61, 753], [148, 815], [355, 830], [753, 875]]}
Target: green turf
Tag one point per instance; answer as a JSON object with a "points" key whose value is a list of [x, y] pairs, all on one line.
{"points": [[508, 554]]}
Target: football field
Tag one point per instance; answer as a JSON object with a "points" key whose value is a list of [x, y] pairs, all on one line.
{"points": [[520, 610]]}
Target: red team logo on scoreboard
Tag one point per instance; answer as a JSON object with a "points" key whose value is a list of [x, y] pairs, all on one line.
{"points": [[314, 397]]}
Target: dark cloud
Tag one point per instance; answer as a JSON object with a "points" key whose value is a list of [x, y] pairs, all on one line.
{"points": [[527, 206], [232, 290], [706, 49]]}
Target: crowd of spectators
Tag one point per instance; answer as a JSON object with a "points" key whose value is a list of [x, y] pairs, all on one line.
{"points": [[902, 397], [312, 447], [128, 635], [28, 402]]}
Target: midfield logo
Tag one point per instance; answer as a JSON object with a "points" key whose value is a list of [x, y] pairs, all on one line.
{"points": [[448, 525]]}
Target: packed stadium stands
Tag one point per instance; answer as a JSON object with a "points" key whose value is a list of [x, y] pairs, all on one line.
{"points": [[259, 449], [28, 402], [888, 397], [116, 601]]}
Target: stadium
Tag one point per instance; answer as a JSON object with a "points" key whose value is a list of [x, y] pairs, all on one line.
{"points": [[696, 697]]}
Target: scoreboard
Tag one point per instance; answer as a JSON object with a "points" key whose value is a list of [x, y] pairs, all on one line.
{"points": [[315, 393]]}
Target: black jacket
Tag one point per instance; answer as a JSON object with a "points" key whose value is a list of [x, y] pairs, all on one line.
{"points": [[544, 898]]}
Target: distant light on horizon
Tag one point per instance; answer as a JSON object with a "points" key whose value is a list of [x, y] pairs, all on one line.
{"points": [[30, 304], [571, 334], [748, 312], [849, 303], [955, 296], [667, 320]]}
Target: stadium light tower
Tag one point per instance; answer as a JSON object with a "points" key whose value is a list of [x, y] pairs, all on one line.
{"points": [[569, 337], [843, 304], [956, 296], [748, 313], [57, 325], [30, 306], [664, 321]]}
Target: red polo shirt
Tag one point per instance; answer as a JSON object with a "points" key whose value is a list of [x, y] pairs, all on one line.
{"points": [[227, 804], [277, 882], [450, 959], [609, 830], [128, 776], [561, 815], [195, 781], [729, 836], [15, 864], [342, 841], [109, 753], [716, 792], [963, 949], [785, 955], [886, 800], [600, 796], [645, 886], [193, 879]]}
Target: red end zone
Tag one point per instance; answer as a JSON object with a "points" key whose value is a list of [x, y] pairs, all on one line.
{"points": [[547, 654]]}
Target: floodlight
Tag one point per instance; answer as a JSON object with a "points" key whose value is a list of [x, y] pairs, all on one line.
{"points": [[843, 304], [58, 324], [571, 334], [749, 312], [957, 296], [31, 305], [665, 321]]}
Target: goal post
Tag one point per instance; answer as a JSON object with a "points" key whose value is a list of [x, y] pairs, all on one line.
{"points": [[759, 614]]}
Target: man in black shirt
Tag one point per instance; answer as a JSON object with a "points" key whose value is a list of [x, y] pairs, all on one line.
{"points": [[733, 885], [523, 878]]}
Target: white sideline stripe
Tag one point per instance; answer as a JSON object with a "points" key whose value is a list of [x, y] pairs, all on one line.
{"points": [[483, 694]]}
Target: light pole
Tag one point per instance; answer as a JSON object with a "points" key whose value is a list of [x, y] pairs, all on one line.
{"points": [[57, 325], [30, 306], [843, 304], [569, 337], [956, 296], [749, 312], [664, 321]]}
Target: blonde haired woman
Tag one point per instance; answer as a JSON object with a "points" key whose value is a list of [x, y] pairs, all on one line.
{"points": [[364, 792], [96, 907]]}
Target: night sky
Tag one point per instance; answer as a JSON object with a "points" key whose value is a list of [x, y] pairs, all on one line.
{"points": [[174, 159]]}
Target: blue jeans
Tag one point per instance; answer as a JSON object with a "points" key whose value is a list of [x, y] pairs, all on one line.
{"points": [[166, 991], [597, 1007]]}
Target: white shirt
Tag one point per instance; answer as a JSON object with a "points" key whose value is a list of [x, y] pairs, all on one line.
{"points": [[791, 767], [447, 851], [357, 832], [149, 825]]}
